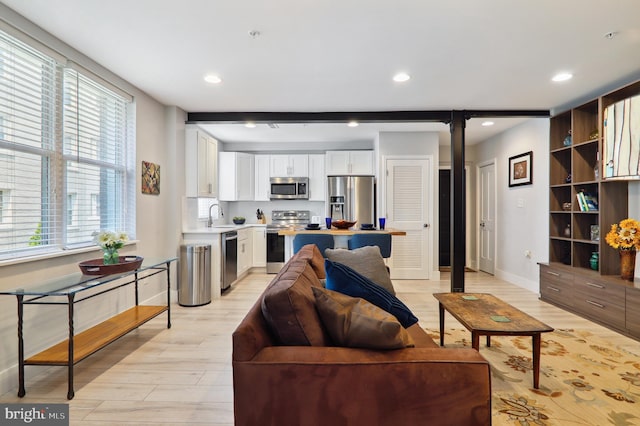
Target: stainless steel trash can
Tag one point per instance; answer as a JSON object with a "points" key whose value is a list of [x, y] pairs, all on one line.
{"points": [[194, 286]]}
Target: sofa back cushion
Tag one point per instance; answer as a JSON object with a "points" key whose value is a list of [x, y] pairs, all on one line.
{"points": [[288, 306], [311, 253]]}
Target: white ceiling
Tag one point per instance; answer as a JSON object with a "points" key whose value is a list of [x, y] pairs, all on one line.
{"points": [[340, 55]]}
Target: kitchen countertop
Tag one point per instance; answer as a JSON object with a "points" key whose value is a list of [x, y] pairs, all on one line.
{"points": [[293, 231], [221, 229]]}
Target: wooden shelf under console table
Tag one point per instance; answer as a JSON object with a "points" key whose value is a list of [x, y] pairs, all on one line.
{"points": [[75, 288]]}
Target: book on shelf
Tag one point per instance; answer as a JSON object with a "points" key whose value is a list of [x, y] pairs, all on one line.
{"points": [[587, 201], [582, 203], [592, 202]]}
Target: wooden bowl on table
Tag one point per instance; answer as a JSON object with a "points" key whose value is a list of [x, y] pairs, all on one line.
{"points": [[343, 224]]}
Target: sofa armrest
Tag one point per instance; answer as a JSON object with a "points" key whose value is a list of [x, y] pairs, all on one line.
{"points": [[340, 386]]}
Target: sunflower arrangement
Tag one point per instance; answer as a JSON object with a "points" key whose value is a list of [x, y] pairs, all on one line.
{"points": [[624, 235]]}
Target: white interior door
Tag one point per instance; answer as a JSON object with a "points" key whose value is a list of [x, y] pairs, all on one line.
{"points": [[487, 212], [409, 208]]}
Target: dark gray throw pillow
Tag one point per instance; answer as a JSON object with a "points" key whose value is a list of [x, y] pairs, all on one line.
{"points": [[367, 261]]}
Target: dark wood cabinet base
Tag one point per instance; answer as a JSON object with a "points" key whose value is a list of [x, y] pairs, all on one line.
{"points": [[605, 300]]}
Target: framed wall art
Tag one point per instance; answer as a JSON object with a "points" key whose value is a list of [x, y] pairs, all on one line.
{"points": [[521, 169], [150, 178]]}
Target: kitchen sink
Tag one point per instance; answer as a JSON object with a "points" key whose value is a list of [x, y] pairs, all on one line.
{"points": [[225, 226]]}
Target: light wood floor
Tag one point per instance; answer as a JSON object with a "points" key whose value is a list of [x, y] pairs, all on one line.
{"points": [[182, 375]]}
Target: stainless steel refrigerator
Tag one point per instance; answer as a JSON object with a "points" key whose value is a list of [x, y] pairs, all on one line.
{"points": [[351, 198]]}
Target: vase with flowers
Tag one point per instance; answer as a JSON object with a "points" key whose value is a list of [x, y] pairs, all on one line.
{"points": [[110, 242], [625, 237]]}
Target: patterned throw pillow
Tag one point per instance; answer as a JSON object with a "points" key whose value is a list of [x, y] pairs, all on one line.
{"points": [[345, 280]]}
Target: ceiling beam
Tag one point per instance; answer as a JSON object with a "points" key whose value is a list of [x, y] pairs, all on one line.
{"points": [[318, 117], [345, 116]]}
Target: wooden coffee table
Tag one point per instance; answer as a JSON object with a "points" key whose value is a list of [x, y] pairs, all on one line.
{"points": [[486, 315]]}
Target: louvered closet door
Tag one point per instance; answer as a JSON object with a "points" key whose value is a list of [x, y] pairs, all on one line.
{"points": [[409, 208]]}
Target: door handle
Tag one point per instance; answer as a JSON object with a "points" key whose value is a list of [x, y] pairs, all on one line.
{"points": [[426, 225]]}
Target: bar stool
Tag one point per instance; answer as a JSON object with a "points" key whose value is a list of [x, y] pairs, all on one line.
{"points": [[383, 241], [323, 241]]}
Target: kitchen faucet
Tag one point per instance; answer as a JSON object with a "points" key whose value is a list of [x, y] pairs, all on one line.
{"points": [[210, 222]]}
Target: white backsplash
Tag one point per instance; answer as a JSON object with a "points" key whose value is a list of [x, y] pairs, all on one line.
{"points": [[247, 209]]}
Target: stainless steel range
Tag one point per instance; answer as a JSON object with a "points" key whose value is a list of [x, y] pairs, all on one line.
{"points": [[282, 219]]}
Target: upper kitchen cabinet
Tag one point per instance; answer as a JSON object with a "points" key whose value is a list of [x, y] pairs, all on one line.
{"points": [[236, 176], [349, 163], [262, 186], [317, 177], [201, 163], [289, 165]]}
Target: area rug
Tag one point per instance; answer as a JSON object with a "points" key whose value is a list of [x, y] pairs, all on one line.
{"points": [[583, 379]]}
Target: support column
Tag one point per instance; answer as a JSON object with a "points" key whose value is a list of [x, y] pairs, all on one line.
{"points": [[458, 207]]}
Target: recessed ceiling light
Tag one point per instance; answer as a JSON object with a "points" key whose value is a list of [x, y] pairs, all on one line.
{"points": [[401, 77], [212, 78], [353, 123], [250, 124], [563, 76], [487, 123]]}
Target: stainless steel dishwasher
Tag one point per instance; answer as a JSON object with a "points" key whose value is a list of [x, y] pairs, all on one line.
{"points": [[229, 258]]}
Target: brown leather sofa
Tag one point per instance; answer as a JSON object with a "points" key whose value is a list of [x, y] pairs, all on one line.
{"points": [[307, 385]]}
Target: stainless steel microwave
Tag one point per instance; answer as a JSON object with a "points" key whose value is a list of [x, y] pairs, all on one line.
{"points": [[289, 188]]}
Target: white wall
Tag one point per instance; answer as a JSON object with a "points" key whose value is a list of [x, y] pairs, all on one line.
{"points": [[520, 228], [160, 139]]}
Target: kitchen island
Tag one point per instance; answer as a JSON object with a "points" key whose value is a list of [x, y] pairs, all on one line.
{"points": [[340, 236], [338, 232]]}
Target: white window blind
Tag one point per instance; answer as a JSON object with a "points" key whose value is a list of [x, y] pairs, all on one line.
{"points": [[67, 155], [27, 148], [96, 159]]}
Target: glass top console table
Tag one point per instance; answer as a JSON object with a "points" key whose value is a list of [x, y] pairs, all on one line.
{"points": [[75, 288]]}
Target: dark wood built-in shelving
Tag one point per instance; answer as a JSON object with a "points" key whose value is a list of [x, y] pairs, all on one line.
{"points": [[568, 280]]}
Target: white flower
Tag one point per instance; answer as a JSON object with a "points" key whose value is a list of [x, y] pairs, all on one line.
{"points": [[110, 240]]}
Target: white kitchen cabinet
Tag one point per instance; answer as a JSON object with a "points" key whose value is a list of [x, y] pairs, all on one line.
{"points": [[317, 178], [296, 165], [201, 163], [349, 163], [260, 246], [261, 185], [236, 176], [245, 250]]}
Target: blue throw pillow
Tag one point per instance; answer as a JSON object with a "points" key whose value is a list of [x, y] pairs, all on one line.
{"points": [[345, 280]]}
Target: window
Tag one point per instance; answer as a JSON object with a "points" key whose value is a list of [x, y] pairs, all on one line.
{"points": [[67, 153], [72, 209], [95, 205], [95, 157], [4, 205], [204, 204]]}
